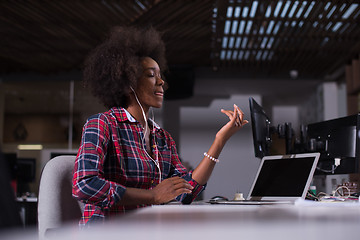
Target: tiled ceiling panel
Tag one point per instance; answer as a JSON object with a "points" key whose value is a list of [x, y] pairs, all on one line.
{"points": [[256, 38], [274, 37]]}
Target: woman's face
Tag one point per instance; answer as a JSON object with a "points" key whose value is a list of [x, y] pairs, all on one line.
{"points": [[150, 89]]}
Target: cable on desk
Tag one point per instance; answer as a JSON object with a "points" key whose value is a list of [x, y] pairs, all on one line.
{"points": [[338, 195]]}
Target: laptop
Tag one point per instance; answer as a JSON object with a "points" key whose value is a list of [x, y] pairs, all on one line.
{"points": [[280, 179]]}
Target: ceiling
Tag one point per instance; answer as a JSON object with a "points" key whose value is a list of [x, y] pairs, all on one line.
{"points": [[254, 38]]}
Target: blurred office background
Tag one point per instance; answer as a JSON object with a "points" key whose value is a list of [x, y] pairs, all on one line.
{"points": [[298, 59]]}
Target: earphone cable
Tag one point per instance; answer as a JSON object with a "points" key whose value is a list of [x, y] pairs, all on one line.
{"points": [[143, 138]]}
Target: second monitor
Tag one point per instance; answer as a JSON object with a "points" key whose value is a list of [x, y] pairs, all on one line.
{"points": [[337, 140]]}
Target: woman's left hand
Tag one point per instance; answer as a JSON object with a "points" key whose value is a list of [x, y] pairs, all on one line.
{"points": [[236, 122]]}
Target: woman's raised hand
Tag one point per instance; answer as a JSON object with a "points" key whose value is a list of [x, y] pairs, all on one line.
{"points": [[237, 116], [236, 122]]}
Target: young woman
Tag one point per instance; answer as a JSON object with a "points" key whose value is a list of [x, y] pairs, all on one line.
{"points": [[125, 160]]}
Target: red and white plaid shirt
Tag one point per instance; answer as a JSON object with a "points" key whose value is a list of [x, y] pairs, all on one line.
{"points": [[112, 157]]}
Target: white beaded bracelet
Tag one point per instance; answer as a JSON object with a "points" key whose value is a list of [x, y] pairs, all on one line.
{"points": [[211, 157]]}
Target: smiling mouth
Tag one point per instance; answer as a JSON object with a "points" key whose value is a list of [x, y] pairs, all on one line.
{"points": [[159, 94]]}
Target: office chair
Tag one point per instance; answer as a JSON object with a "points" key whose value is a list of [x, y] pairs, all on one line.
{"points": [[56, 206]]}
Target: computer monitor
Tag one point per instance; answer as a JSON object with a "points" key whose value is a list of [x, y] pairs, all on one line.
{"points": [[26, 169], [338, 141], [26, 174], [261, 129]]}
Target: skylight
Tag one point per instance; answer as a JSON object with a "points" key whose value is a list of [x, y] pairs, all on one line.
{"points": [[253, 27], [350, 10]]}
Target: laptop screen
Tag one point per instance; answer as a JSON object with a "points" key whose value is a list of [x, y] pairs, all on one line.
{"points": [[284, 176]]}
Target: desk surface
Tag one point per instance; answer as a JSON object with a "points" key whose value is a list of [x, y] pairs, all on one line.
{"points": [[203, 221]]}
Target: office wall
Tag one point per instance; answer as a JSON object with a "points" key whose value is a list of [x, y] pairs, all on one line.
{"points": [[39, 128], [286, 114], [327, 101]]}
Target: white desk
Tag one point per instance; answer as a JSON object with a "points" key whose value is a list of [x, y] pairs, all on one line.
{"points": [[295, 222], [320, 221]]}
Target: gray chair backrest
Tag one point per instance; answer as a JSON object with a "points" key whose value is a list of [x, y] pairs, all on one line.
{"points": [[56, 206]]}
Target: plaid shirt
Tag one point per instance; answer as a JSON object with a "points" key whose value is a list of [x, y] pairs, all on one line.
{"points": [[111, 158]]}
